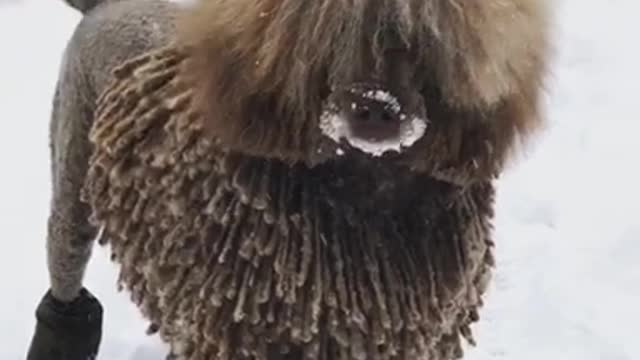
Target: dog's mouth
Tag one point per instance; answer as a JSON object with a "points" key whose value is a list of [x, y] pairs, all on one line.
{"points": [[372, 120]]}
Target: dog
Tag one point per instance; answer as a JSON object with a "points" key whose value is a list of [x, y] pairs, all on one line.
{"points": [[354, 143]]}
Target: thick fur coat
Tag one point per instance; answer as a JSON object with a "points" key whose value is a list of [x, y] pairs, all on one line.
{"points": [[242, 257], [243, 232]]}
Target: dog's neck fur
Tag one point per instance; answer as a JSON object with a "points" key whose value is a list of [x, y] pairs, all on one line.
{"points": [[374, 185], [359, 186]]}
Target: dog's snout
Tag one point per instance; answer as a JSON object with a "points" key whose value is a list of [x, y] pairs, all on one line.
{"points": [[372, 112], [372, 119]]}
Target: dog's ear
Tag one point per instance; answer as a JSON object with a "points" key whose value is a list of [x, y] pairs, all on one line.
{"points": [[486, 68], [486, 52], [246, 108]]}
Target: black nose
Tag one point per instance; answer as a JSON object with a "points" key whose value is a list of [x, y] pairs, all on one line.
{"points": [[372, 119]]}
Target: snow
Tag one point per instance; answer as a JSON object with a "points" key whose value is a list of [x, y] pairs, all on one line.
{"points": [[567, 285], [384, 97]]}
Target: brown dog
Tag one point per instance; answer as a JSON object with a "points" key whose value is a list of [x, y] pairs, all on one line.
{"points": [[319, 173]]}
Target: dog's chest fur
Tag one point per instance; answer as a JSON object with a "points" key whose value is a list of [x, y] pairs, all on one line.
{"points": [[240, 257]]}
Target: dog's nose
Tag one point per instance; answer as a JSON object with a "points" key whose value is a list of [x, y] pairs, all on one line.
{"points": [[373, 118]]}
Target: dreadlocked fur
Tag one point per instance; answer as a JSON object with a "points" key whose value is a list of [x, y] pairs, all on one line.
{"points": [[241, 234]]}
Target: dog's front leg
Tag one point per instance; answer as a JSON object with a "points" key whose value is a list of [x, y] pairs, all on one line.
{"points": [[69, 318]]}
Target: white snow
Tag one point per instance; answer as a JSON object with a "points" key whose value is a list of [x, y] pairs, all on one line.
{"points": [[384, 97], [568, 215]]}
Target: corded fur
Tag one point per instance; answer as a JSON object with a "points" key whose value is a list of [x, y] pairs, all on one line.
{"points": [[237, 257], [241, 234]]}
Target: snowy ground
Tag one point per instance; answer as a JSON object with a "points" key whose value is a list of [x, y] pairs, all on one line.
{"points": [[568, 233]]}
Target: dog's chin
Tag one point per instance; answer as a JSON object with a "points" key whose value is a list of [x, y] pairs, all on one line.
{"points": [[341, 140]]}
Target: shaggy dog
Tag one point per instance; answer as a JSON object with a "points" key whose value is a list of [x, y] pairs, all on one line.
{"points": [[306, 180]]}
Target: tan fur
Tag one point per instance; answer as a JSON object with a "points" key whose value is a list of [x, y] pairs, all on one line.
{"points": [[481, 64]]}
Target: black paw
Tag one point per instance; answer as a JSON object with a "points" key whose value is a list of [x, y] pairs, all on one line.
{"points": [[67, 331]]}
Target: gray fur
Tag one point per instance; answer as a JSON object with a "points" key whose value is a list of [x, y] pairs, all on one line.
{"points": [[84, 6], [109, 33]]}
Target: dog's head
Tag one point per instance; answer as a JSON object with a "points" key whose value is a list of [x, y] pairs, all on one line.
{"points": [[435, 84]]}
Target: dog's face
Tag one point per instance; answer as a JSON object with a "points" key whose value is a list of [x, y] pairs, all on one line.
{"points": [[432, 83]]}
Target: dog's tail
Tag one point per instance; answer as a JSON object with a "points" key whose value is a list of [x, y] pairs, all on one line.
{"points": [[84, 6]]}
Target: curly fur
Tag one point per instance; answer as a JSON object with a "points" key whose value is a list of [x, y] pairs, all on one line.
{"points": [[239, 230]]}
